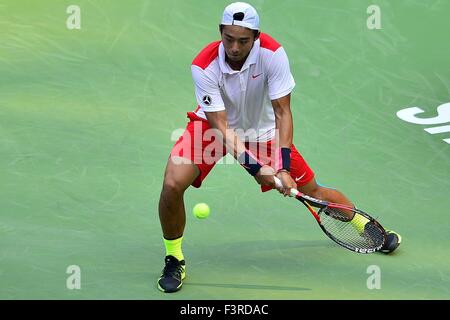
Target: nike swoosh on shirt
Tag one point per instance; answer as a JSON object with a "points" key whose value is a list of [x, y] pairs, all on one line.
{"points": [[256, 76], [298, 179]]}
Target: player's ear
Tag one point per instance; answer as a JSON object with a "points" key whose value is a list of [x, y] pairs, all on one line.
{"points": [[257, 34], [220, 29]]}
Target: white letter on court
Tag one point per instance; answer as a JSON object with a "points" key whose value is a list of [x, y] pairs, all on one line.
{"points": [[374, 21], [374, 281], [74, 20], [74, 280], [409, 115]]}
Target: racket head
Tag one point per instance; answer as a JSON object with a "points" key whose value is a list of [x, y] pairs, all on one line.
{"points": [[352, 228], [349, 227]]}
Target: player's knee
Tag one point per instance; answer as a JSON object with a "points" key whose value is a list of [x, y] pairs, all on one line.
{"points": [[172, 187]]}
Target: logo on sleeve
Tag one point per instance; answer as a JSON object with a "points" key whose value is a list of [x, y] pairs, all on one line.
{"points": [[207, 100]]}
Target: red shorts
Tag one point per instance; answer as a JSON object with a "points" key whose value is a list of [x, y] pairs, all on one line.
{"points": [[202, 147]]}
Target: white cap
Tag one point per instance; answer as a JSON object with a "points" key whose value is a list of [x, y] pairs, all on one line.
{"points": [[241, 14]]}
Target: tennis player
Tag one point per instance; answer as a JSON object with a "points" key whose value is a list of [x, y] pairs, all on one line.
{"points": [[243, 86]]}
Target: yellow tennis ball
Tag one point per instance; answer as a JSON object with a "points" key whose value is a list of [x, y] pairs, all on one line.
{"points": [[201, 210]]}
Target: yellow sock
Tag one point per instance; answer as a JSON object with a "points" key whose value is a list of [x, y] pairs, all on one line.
{"points": [[173, 248], [359, 222]]}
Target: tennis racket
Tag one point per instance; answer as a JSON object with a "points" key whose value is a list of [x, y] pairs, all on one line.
{"points": [[349, 227]]}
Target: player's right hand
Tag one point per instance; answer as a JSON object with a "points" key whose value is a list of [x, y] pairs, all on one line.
{"points": [[265, 176]]}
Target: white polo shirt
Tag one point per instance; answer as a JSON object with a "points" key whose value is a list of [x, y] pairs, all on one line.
{"points": [[246, 94]]}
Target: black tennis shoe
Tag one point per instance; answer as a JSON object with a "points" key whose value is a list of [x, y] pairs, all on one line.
{"points": [[172, 275], [393, 240]]}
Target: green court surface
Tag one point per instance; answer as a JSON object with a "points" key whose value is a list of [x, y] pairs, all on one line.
{"points": [[88, 117]]}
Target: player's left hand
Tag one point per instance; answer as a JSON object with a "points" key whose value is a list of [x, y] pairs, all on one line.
{"points": [[287, 181]]}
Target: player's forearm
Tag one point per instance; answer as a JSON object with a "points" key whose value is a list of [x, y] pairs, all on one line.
{"points": [[283, 122], [284, 127], [231, 140], [234, 145]]}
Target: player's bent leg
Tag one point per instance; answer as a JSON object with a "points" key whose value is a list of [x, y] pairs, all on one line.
{"points": [[179, 175], [313, 189]]}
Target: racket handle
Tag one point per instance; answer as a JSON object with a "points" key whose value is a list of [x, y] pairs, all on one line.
{"points": [[279, 184]]}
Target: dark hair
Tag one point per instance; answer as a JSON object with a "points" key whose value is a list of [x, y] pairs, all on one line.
{"points": [[255, 32]]}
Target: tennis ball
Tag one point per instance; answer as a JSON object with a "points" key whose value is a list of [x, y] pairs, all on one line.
{"points": [[201, 210]]}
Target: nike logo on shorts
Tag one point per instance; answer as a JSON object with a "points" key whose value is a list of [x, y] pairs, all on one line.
{"points": [[298, 179]]}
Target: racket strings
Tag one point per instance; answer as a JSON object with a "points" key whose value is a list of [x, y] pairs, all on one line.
{"points": [[351, 228]]}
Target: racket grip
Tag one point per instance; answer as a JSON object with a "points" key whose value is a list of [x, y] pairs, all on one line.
{"points": [[279, 184]]}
